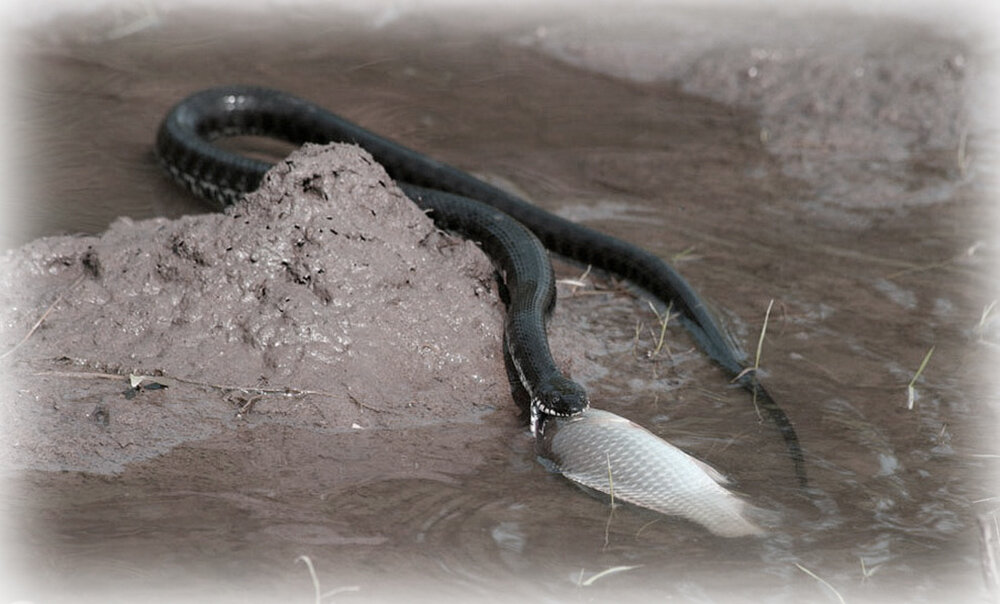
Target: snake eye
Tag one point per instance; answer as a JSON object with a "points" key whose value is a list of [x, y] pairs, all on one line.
{"points": [[564, 397]]}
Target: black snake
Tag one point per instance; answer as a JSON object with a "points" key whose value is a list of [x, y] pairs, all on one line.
{"points": [[456, 201]]}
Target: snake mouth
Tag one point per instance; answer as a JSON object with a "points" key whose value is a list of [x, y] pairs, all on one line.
{"points": [[539, 411], [546, 410]]}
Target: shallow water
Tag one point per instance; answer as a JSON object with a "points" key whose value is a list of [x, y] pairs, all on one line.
{"points": [[891, 511]]}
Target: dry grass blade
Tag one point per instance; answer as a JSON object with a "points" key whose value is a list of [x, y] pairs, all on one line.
{"points": [[911, 392], [319, 595], [822, 581], [312, 574], [45, 314], [611, 482], [607, 572], [756, 360], [611, 512], [579, 282], [868, 571], [987, 311], [963, 159], [682, 255], [989, 545], [948, 262], [763, 330], [985, 319], [663, 319]]}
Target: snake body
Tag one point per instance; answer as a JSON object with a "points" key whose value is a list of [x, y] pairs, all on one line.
{"points": [[513, 232]]}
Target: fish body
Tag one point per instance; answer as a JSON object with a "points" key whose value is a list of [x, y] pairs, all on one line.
{"points": [[613, 455]]}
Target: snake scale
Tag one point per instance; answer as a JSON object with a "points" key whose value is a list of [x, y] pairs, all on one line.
{"points": [[514, 233]]}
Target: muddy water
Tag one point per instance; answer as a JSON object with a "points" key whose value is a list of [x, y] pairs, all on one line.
{"points": [[895, 496]]}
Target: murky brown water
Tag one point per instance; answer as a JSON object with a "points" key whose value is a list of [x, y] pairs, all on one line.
{"points": [[892, 509]]}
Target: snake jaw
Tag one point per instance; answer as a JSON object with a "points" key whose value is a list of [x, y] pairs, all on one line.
{"points": [[536, 421], [538, 414], [563, 398]]}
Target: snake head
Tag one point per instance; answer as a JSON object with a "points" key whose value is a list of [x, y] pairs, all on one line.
{"points": [[561, 397]]}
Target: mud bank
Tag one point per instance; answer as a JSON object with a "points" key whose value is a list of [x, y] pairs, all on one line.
{"points": [[326, 300], [826, 94]]}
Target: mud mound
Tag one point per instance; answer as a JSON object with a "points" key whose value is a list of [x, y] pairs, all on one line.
{"points": [[297, 305]]}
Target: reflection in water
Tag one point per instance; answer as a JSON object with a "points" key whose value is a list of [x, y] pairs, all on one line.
{"points": [[889, 510]]}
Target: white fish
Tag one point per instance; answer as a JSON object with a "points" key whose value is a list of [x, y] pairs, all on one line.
{"points": [[614, 455]]}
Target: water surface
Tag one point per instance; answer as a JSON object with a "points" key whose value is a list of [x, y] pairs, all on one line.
{"points": [[895, 494]]}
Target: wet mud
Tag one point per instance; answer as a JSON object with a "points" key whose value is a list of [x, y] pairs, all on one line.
{"points": [[834, 166]]}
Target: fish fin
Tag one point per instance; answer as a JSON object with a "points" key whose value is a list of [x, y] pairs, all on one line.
{"points": [[714, 474]]}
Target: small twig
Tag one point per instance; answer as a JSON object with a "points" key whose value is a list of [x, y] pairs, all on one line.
{"points": [[83, 375], [163, 379], [245, 408], [579, 282], [355, 400], [45, 314]]}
